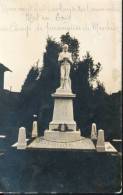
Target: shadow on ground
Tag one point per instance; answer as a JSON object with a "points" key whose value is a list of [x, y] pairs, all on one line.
{"points": [[58, 171]]}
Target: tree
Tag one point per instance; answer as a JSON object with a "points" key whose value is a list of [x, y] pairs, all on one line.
{"points": [[73, 45], [50, 72], [29, 83], [83, 74], [29, 98]]}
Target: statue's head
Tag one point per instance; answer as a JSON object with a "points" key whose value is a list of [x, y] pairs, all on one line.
{"points": [[65, 47]]}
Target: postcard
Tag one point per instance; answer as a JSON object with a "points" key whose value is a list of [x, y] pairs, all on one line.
{"points": [[60, 96]]}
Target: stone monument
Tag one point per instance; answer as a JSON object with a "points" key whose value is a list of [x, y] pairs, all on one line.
{"points": [[62, 132], [63, 127], [34, 127], [100, 147], [22, 143], [94, 132]]}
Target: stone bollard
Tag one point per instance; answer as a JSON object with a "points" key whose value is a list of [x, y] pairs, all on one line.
{"points": [[22, 143], [93, 132], [100, 147], [34, 127]]}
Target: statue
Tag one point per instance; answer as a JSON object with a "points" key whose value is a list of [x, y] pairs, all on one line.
{"points": [[65, 61]]}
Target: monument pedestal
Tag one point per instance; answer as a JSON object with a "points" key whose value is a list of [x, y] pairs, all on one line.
{"points": [[59, 136], [63, 127]]}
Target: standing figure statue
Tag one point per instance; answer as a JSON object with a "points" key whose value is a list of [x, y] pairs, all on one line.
{"points": [[65, 61]]}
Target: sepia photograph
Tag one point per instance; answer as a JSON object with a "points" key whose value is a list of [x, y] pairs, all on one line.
{"points": [[60, 96]]}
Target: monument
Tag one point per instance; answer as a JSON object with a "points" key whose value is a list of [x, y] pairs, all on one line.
{"points": [[63, 132], [63, 128]]}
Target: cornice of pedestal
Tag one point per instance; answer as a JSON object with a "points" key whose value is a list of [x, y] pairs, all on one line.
{"points": [[64, 95]]}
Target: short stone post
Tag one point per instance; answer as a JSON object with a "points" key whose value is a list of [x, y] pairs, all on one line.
{"points": [[93, 132], [22, 143], [100, 147], [34, 127]]}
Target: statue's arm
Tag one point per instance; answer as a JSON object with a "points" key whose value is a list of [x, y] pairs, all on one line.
{"points": [[69, 59], [60, 58]]}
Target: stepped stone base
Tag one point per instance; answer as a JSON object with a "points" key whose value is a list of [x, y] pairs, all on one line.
{"points": [[83, 144], [59, 136]]}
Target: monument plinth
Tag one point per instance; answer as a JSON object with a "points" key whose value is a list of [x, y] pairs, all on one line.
{"points": [[63, 128], [63, 111]]}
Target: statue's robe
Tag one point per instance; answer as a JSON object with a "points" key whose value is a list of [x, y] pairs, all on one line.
{"points": [[65, 60]]}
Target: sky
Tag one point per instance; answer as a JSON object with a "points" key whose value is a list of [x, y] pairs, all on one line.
{"points": [[26, 24]]}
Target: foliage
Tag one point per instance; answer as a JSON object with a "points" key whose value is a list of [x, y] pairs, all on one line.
{"points": [[71, 42], [28, 86]]}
